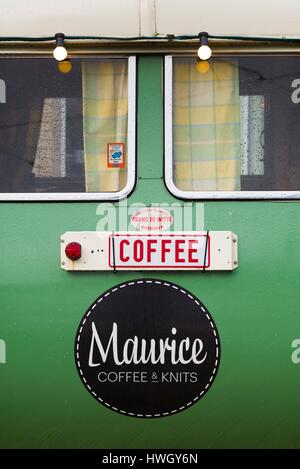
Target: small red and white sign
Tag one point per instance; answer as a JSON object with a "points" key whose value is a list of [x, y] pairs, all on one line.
{"points": [[152, 219], [144, 251], [115, 155]]}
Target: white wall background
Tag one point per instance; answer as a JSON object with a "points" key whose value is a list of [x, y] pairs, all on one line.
{"points": [[72, 17], [229, 17], [133, 17]]}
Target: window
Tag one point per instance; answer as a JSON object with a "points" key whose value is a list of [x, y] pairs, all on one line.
{"points": [[67, 135], [233, 130]]}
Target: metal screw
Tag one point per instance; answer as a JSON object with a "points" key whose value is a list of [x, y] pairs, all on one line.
{"points": [[62, 263], [234, 240], [62, 240], [235, 262]]}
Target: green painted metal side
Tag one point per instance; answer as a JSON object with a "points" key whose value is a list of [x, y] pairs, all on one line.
{"points": [[254, 401]]}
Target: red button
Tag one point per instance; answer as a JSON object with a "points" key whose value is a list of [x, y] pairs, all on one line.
{"points": [[73, 251]]}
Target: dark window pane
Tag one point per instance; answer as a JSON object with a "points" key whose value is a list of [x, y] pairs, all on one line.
{"points": [[55, 127], [236, 125]]}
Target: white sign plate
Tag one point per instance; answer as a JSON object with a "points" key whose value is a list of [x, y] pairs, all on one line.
{"points": [[194, 250]]}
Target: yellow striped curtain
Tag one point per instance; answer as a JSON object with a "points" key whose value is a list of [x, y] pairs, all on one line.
{"points": [[105, 111], [206, 126]]}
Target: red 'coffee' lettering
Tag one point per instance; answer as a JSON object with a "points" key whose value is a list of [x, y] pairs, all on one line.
{"points": [[144, 250]]}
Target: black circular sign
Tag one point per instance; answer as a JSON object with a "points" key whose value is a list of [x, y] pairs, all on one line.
{"points": [[147, 348]]}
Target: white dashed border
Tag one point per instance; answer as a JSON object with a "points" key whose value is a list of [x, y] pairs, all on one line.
{"points": [[184, 292]]}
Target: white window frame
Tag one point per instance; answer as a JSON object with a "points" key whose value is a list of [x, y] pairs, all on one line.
{"points": [[168, 163], [131, 160]]}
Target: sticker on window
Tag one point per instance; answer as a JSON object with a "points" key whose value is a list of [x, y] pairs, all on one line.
{"points": [[115, 155]]}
